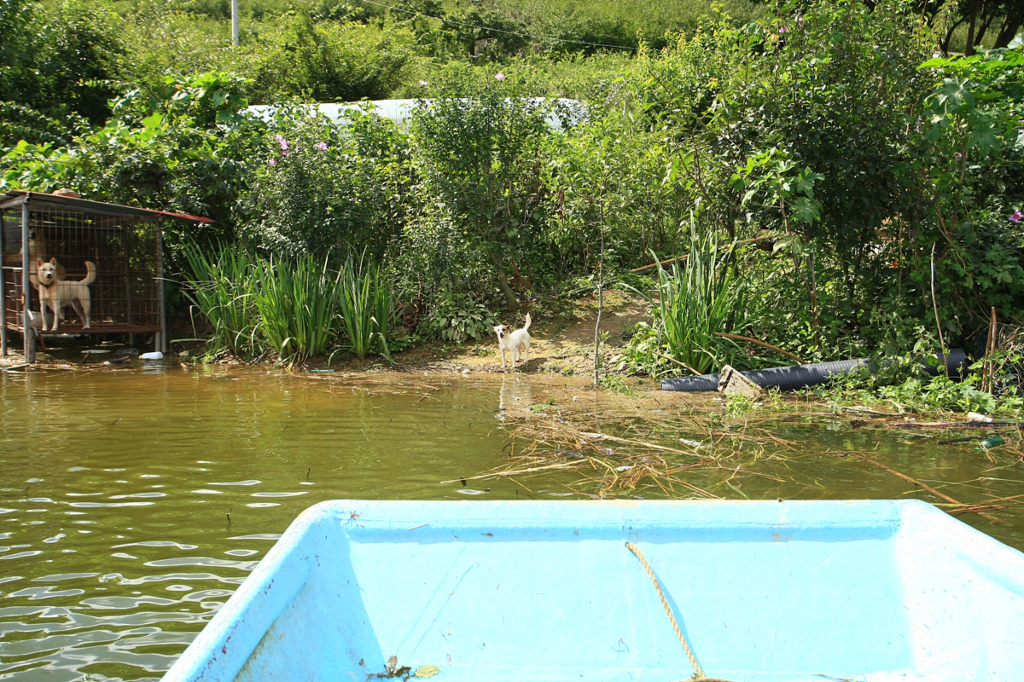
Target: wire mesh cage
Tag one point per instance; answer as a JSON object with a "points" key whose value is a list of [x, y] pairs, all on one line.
{"points": [[93, 268]]}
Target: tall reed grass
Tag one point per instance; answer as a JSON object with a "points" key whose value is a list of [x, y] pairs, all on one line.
{"points": [[222, 288], [297, 303], [299, 307], [367, 308], [698, 300]]}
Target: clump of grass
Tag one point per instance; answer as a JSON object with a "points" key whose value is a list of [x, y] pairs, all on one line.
{"points": [[222, 288], [367, 308], [698, 300], [298, 305]]}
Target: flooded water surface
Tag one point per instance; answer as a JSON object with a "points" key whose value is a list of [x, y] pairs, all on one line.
{"points": [[133, 503]]}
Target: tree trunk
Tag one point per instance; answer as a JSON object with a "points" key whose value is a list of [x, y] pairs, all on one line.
{"points": [[944, 44], [986, 20], [499, 270], [1011, 25], [969, 50]]}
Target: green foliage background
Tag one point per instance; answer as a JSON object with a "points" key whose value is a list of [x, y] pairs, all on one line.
{"points": [[828, 147]]}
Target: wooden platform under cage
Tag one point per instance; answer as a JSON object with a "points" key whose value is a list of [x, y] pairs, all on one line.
{"points": [[96, 328]]}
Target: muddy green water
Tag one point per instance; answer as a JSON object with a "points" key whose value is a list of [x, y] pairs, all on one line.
{"points": [[132, 503]]}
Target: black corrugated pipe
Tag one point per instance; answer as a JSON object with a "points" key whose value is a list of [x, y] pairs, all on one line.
{"points": [[798, 376]]}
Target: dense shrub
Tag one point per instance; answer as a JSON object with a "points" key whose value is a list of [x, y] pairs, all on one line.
{"points": [[330, 191], [608, 196], [58, 67], [854, 178], [478, 149], [328, 62], [188, 155], [288, 56], [435, 263]]}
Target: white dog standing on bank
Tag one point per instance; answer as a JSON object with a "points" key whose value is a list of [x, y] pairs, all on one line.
{"points": [[514, 342]]}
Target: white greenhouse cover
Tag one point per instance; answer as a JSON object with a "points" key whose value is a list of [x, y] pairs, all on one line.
{"points": [[400, 110]]}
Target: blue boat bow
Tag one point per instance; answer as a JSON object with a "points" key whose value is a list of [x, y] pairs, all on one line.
{"points": [[874, 591]]}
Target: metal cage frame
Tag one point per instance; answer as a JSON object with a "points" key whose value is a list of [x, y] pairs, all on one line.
{"points": [[121, 247]]}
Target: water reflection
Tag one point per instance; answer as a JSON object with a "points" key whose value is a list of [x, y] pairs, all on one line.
{"points": [[515, 392]]}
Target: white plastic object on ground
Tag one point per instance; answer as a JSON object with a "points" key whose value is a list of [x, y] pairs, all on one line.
{"points": [[152, 356]]}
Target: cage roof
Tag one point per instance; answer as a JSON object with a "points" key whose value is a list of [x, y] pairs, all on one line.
{"points": [[17, 197]]}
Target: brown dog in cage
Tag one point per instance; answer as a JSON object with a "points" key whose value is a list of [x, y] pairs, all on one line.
{"points": [[58, 293]]}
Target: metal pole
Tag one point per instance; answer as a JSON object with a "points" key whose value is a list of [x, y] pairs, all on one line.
{"points": [[26, 290], [161, 338], [3, 292], [129, 316], [234, 22]]}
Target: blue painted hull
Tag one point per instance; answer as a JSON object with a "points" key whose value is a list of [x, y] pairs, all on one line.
{"points": [[874, 591]]}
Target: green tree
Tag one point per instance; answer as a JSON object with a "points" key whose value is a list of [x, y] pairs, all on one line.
{"points": [[58, 68], [479, 151], [326, 189]]}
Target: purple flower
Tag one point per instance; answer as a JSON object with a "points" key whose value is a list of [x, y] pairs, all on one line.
{"points": [[284, 145], [272, 162], [321, 145], [783, 29], [958, 155], [1017, 215], [279, 138], [500, 77], [424, 83]]}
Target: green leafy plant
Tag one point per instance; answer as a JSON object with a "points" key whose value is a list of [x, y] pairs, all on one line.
{"points": [[326, 188], [697, 300], [645, 354], [298, 306], [478, 145], [459, 320], [222, 287], [739, 405], [615, 384], [940, 393], [59, 67], [367, 308]]}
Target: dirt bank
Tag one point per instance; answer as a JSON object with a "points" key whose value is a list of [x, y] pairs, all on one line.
{"points": [[560, 342]]}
